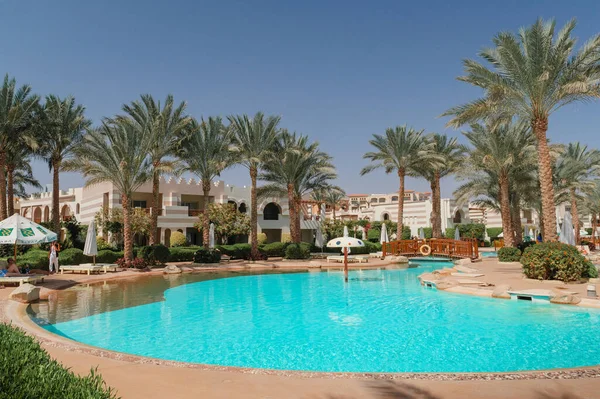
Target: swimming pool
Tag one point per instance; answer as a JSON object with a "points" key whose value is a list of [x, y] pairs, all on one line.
{"points": [[488, 254], [381, 321]]}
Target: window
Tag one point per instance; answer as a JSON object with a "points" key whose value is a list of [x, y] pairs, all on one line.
{"points": [[242, 208], [457, 217], [386, 216], [373, 200], [139, 204], [190, 205], [271, 212], [381, 200], [394, 198], [77, 209]]}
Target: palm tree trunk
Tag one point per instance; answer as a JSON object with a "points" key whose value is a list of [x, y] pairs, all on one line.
{"points": [[436, 206], [401, 174], [293, 214], [205, 219], [297, 222], [516, 217], [540, 126], [594, 226], [3, 214], [10, 190], [254, 254], [507, 229], [334, 212], [153, 239], [574, 214], [127, 238], [55, 196]]}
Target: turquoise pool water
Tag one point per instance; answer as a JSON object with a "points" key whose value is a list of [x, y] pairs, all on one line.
{"points": [[489, 254], [381, 321]]}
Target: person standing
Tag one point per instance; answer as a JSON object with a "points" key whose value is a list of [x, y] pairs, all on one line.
{"points": [[53, 256]]}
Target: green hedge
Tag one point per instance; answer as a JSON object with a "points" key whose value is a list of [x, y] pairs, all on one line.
{"points": [[494, 232], [236, 251], [108, 256], [207, 256], [73, 256], [428, 231], [509, 254], [157, 254], [27, 371], [182, 254], [297, 251], [555, 261], [34, 259], [275, 249]]}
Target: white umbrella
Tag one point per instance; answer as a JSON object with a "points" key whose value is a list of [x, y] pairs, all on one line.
{"points": [[345, 243], [364, 234], [18, 230], [211, 236], [345, 231], [567, 236], [456, 233], [384, 234], [421, 233], [91, 246], [501, 235]]}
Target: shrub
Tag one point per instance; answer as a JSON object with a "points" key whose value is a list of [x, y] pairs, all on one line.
{"points": [[406, 234], [182, 254], [286, 238], [428, 231], [102, 244], [178, 239], [207, 256], [487, 243], [373, 235], [262, 238], [275, 249], [135, 263], [592, 271], [525, 244], [509, 254], [494, 232], [236, 251], [73, 256], [297, 251], [554, 261], [108, 256], [156, 254], [589, 230], [34, 259], [27, 371]]}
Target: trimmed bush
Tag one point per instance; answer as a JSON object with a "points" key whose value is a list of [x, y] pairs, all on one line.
{"points": [[525, 244], [178, 239], [207, 256], [27, 371], [102, 244], [135, 263], [108, 256], [236, 251], [262, 238], [286, 238], [554, 261], [297, 251], [156, 254], [428, 231], [406, 234], [275, 249], [182, 254], [73, 256], [494, 232], [509, 254], [34, 259], [374, 235], [449, 233]]}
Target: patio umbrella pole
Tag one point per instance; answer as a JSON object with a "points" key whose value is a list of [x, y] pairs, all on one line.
{"points": [[346, 263]]}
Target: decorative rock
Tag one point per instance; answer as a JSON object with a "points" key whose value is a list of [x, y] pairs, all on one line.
{"points": [[172, 269], [398, 259], [445, 271], [565, 298], [26, 293], [428, 277], [501, 291], [445, 284]]}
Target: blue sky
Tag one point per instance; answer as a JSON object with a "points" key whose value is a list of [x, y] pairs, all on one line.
{"points": [[337, 71]]}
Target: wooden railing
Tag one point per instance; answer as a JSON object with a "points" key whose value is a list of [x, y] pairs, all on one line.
{"points": [[465, 248]]}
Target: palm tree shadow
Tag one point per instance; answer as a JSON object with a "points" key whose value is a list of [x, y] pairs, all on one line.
{"points": [[392, 390]]}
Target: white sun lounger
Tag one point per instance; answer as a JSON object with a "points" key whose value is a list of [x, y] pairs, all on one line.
{"points": [[89, 268], [351, 258], [32, 279]]}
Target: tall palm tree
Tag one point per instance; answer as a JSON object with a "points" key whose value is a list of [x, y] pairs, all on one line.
{"points": [[62, 125], [332, 196], [115, 152], [162, 126], [206, 152], [500, 151], [294, 169], [402, 150], [450, 157], [591, 205], [18, 173], [578, 170], [531, 75], [253, 140], [17, 107]]}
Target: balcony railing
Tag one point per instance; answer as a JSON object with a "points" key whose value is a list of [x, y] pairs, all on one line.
{"points": [[150, 210], [194, 212]]}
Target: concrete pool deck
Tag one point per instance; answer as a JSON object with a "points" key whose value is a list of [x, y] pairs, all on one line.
{"points": [[137, 377]]}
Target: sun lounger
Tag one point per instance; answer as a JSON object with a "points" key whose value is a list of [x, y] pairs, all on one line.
{"points": [[32, 279], [88, 268], [351, 258]]}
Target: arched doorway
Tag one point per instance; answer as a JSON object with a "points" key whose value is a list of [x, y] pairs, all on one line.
{"points": [[457, 217], [386, 217], [168, 237], [37, 215], [271, 211], [243, 208], [65, 212], [46, 214]]}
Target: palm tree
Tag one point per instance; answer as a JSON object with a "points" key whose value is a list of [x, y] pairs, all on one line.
{"points": [[17, 107], [18, 173], [206, 153], [402, 150], [531, 75], [253, 140], [62, 124], [591, 205], [577, 170], [163, 128], [450, 156], [115, 152], [296, 168], [332, 196], [500, 151]]}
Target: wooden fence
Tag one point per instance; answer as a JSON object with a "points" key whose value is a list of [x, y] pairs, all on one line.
{"points": [[464, 248]]}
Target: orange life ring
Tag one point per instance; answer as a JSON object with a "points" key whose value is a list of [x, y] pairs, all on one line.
{"points": [[425, 250]]}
